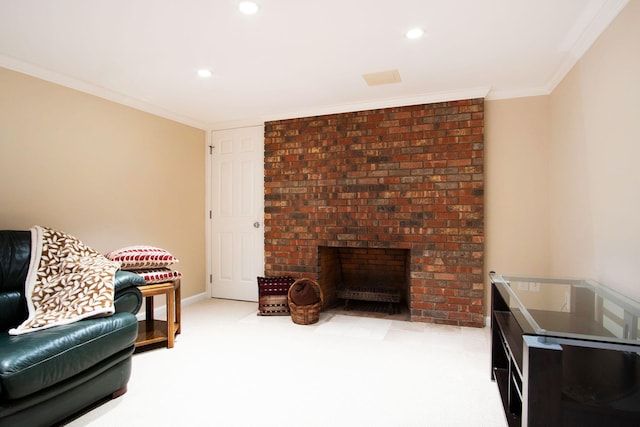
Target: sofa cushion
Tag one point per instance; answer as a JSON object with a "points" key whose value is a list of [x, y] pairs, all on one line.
{"points": [[15, 253], [13, 309], [34, 361]]}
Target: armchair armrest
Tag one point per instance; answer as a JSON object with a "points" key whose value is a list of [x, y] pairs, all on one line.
{"points": [[127, 295]]}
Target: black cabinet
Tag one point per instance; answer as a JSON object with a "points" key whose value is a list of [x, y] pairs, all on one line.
{"points": [[564, 352]]}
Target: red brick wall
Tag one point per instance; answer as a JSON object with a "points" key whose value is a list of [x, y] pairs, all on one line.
{"points": [[406, 178]]}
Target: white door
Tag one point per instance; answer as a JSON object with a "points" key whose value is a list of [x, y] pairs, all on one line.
{"points": [[237, 173]]}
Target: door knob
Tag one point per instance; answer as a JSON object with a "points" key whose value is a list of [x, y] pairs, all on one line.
{"points": [[256, 224]]}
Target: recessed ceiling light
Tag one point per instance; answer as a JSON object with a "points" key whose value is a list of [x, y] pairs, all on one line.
{"points": [[248, 7], [415, 33], [204, 73]]}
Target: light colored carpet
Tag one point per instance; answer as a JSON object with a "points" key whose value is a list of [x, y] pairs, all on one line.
{"points": [[230, 367]]}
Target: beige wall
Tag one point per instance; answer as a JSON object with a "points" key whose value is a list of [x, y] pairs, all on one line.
{"points": [[110, 175], [595, 148], [562, 175], [516, 187]]}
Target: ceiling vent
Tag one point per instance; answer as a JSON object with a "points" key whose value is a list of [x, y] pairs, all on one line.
{"points": [[382, 78]]}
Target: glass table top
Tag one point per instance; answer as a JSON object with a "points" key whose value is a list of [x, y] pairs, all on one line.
{"points": [[568, 308]]}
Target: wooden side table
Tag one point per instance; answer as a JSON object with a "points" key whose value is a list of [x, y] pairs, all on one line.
{"points": [[154, 331]]}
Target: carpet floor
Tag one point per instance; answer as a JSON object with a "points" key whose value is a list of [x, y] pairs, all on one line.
{"points": [[230, 367]]}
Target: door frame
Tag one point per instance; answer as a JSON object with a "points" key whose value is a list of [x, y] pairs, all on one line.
{"points": [[208, 219]]}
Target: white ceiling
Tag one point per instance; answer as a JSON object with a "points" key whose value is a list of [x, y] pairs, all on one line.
{"points": [[297, 57]]}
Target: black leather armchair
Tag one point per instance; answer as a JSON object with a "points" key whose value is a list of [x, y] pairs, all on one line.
{"points": [[49, 375]]}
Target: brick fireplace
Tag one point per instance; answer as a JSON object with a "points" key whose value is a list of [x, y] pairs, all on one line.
{"points": [[378, 276], [405, 178]]}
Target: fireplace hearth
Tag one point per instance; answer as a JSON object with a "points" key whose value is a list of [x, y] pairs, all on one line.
{"points": [[365, 278], [375, 275], [406, 178]]}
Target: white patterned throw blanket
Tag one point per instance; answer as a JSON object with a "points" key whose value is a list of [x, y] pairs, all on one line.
{"points": [[67, 281]]}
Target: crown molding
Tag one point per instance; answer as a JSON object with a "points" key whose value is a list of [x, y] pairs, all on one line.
{"points": [[578, 47], [602, 19], [100, 92], [425, 98], [516, 93]]}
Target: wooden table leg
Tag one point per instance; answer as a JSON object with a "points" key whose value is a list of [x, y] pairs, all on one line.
{"points": [[178, 303], [148, 313], [171, 305]]}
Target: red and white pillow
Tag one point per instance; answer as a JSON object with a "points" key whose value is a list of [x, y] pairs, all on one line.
{"points": [[142, 257], [158, 275]]}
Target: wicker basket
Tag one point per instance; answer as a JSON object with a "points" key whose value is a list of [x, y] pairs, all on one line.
{"points": [[305, 314]]}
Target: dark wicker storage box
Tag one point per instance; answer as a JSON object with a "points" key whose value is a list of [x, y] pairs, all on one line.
{"points": [[272, 295]]}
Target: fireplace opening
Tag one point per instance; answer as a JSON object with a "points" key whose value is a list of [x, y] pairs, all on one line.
{"points": [[365, 280]]}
